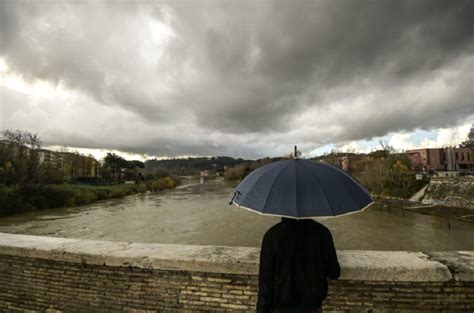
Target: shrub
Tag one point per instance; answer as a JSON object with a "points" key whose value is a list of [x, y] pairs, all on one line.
{"points": [[34, 197], [149, 185], [85, 197], [158, 184], [168, 183], [141, 188], [102, 193], [116, 193], [59, 195], [236, 173], [9, 198], [161, 184]]}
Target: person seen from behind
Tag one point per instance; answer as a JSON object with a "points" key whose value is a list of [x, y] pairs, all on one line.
{"points": [[296, 259]]}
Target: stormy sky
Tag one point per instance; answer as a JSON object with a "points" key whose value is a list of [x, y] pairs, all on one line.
{"points": [[239, 78]]}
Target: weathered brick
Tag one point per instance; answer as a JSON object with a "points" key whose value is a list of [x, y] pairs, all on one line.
{"points": [[235, 306], [28, 283], [213, 299]]}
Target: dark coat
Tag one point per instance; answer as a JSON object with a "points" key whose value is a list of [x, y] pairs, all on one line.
{"points": [[296, 259]]}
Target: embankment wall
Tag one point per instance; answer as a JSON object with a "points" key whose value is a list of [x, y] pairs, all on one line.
{"points": [[73, 275], [451, 192]]}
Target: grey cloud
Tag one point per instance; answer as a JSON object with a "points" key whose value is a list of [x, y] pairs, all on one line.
{"points": [[258, 69]]}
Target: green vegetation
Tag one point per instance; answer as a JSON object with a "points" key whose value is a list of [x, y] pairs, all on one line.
{"points": [[116, 168], [388, 176], [237, 172], [32, 178], [14, 199], [189, 166]]}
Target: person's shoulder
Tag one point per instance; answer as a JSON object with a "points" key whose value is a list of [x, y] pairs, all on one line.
{"points": [[278, 226], [275, 229], [320, 227]]}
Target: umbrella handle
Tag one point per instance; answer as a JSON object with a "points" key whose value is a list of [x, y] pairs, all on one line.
{"points": [[233, 197]]}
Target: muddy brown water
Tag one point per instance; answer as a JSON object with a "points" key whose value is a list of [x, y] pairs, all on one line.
{"points": [[199, 214]]}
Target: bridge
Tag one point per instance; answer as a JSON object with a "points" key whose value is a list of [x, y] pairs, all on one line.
{"points": [[60, 274]]}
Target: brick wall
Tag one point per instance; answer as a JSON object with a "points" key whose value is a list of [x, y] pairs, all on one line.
{"points": [[41, 273], [37, 284]]}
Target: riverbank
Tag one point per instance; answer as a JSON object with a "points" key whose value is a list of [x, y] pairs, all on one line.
{"points": [[449, 192], [437, 211], [17, 199], [197, 213]]}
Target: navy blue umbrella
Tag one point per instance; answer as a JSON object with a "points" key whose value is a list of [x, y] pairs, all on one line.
{"points": [[300, 188]]}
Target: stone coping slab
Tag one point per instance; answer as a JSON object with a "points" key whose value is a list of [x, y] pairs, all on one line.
{"points": [[396, 266], [460, 263]]}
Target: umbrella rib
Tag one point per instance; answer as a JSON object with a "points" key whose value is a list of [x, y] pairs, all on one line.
{"points": [[324, 191], [351, 178], [263, 173], [273, 184], [296, 191]]}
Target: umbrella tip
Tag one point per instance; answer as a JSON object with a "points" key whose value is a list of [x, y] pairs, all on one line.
{"points": [[296, 153]]}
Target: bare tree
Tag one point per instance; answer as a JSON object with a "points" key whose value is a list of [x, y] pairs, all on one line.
{"points": [[386, 148], [22, 149], [469, 143]]}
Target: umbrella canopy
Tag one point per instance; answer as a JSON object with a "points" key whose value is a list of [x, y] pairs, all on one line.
{"points": [[300, 188]]}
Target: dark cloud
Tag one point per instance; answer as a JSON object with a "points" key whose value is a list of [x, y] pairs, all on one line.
{"points": [[190, 77]]}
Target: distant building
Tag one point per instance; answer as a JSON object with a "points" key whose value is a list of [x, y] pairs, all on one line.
{"points": [[344, 163], [442, 159], [464, 159], [450, 159], [427, 159], [70, 164], [49, 157]]}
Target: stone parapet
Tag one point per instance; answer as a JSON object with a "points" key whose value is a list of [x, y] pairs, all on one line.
{"points": [[39, 273]]}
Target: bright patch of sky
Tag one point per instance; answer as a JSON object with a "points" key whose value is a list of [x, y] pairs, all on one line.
{"points": [[99, 154], [438, 138], [39, 90]]}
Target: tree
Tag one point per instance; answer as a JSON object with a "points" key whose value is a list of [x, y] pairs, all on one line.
{"points": [[384, 152], [121, 164], [137, 164], [20, 149], [115, 164], [398, 175], [110, 162], [469, 143], [237, 172], [132, 169], [374, 176], [259, 163]]}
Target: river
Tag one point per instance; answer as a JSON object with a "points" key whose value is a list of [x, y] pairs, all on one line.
{"points": [[199, 214]]}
